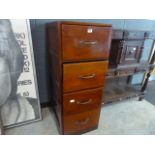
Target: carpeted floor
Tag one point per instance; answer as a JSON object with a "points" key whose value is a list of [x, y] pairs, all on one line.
{"points": [[127, 117]]}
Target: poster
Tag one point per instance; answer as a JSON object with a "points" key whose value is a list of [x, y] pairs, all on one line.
{"points": [[19, 99], [1, 127]]}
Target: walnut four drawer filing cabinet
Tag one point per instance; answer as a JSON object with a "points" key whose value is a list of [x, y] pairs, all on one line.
{"points": [[78, 56]]}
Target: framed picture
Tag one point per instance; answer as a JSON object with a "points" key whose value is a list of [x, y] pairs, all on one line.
{"points": [[19, 99], [1, 127]]}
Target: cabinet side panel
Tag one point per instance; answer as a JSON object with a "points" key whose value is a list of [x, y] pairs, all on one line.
{"points": [[54, 51], [115, 52]]}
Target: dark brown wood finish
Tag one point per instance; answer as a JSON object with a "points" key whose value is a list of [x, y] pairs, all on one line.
{"points": [[146, 80], [115, 52], [131, 52], [85, 42], [77, 53], [54, 52], [79, 76], [117, 89], [125, 61], [125, 52], [81, 122], [79, 23], [134, 35], [82, 101]]}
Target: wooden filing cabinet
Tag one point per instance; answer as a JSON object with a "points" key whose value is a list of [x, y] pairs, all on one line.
{"points": [[78, 54]]}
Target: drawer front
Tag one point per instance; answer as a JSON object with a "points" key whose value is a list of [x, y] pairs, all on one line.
{"points": [[134, 35], [82, 101], [81, 122], [128, 71], [142, 69], [85, 42], [79, 76], [131, 52]]}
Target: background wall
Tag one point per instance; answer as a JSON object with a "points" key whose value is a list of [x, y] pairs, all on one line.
{"points": [[40, 52]]}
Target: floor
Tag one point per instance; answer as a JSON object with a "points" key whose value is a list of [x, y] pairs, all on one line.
{"points": [[122, 118], [47, 126], [128, 117]]}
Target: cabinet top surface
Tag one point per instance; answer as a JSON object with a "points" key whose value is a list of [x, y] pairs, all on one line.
{"points": [[80, 23]]}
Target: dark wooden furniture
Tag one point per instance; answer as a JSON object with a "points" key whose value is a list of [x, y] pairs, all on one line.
{"points": [[78, 54], [125, 61]]}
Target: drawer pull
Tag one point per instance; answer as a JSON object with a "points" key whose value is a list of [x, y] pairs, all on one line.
{"points": [[87, 76], [84, 102], [88, 42], [82, 122]]}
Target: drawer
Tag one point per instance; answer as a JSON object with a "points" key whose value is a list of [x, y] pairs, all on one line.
{"points": [[134, 35], [151, 35], [79, 76], [124, 72], [80, 42], [141, 69], [82, 101], [82, 122], [131, 52]]}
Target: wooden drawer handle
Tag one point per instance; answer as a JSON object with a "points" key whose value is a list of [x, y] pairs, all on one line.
{"points": [[85, 102], [82, 122], [88, 42], [87, 76]]}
